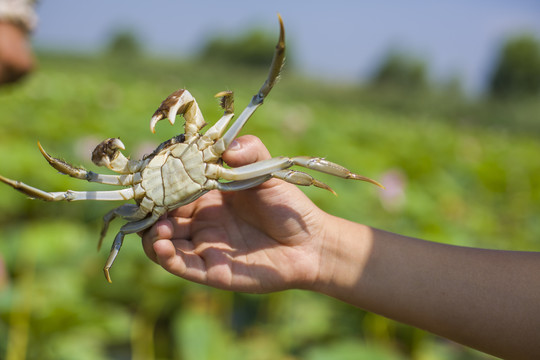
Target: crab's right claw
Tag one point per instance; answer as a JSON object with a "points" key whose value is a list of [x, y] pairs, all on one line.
{"points": [[107, 151]]}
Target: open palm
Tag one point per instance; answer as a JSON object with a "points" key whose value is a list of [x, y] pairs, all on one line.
{"points": [[256, 240]]}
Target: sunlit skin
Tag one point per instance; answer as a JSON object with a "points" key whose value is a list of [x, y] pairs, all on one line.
{"points": [[16, 59], [274, 238]]}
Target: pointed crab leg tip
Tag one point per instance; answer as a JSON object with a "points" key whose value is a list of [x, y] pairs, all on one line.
{"points": [[281, 29], [366, 179], [45, 154], [41, 149], [324, 186], [377, 184], [107, 275]]}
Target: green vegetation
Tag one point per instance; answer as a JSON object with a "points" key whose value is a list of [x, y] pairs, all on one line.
{"points": [[401, 71], [124, 43], [252, 48], [468, 169], [517, 72]]}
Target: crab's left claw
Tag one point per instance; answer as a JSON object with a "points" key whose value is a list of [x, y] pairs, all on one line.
{"points": [[168, 109], [180, 102], [107, 151], [154, 120]]}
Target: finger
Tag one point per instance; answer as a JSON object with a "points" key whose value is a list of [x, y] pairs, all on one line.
{"points": [[163, 229], [181, 227], [210, 265], [245, 150], [212, 198], [185, 211], [178, 258]]}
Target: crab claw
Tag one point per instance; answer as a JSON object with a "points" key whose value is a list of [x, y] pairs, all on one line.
{"points": [[168, 109], [157, 117], [226, 101], [154, 121], [107, 151]]}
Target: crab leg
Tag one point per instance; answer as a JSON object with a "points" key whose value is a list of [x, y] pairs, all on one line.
{"points": [[69, 195], [257, 100], [276, 164], [331, 168], [227, 104], [294, 177], [130, 212], [79, 173], [245, 172], [129, 228], [239, 184], [215, 131], [301, 178]]}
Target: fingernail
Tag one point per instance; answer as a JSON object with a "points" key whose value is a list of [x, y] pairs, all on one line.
{"points": [[235, 146]]}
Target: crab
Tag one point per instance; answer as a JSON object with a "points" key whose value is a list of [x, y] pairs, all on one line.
{"points": [[183, 168]]}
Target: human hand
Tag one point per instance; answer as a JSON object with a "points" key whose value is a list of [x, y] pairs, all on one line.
{"points": [[258, 240], [273, 237], [16, 57]]}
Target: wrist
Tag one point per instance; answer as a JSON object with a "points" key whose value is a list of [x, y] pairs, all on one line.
{"points": [[344, 250]]}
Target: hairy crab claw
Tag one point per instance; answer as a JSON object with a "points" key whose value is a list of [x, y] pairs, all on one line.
{"points": [[107, 151], [179, 102]]}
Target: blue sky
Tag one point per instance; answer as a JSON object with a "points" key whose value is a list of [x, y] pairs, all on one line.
{"points": [[336, 39]]}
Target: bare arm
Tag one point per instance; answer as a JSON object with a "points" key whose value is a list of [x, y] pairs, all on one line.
{"points": [[273, 238], [485, 299]]}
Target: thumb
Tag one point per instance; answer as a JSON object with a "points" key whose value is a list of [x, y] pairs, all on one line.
{"points": [[245, 150]]}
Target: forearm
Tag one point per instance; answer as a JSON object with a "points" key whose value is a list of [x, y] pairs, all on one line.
{"points": [[486, 299]]}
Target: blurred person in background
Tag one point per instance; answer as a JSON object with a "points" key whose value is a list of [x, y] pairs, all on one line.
{"points": [[273, 238], [17, 20]]}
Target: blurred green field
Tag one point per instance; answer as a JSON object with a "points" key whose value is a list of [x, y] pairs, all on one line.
{"points": [[458, 171]]}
